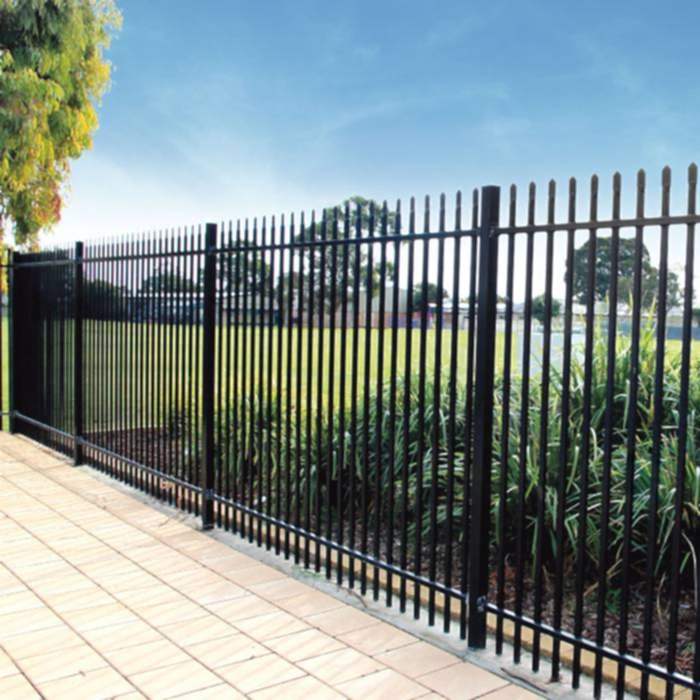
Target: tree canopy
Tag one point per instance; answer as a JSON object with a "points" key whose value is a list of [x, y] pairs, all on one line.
{"points": [[244, 271], [168, 283], [364, 214], [433, 295], [603, 268], [539, 308], [102, 299], [52, 74]]}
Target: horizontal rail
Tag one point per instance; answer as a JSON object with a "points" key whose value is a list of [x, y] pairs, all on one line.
{"points": [[38, 424], [343, 549], [361, 240], [642, 222], [138, 465], [106, 451], [42, 263], [594, 648], [250, 246]]}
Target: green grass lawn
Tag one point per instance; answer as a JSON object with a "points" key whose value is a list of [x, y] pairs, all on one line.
{"points": [[118, 355], [165, 350]]}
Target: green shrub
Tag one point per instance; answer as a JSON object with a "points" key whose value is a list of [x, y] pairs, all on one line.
{"points": [[326, 469]]}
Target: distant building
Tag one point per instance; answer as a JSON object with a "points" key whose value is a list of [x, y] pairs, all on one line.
{"points": [[188, 307]]}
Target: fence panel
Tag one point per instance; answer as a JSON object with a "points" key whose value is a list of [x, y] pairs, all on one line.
{"points": [[494, 424], [143, 357], [43, 347], [6, 388], [343, 405], [595, 475]]}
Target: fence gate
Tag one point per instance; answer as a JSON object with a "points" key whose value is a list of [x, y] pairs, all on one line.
{"points": [[487, 422]]}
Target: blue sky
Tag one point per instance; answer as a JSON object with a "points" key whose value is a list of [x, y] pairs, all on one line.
{"points": [[222, 109]]}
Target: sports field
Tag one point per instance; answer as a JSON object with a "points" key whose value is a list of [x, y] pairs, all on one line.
{"points": [[135, 364]]}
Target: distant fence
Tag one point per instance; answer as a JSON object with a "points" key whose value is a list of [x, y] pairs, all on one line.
{"points": [[265, 377]]}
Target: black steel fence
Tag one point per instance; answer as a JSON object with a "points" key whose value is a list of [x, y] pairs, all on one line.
{"points": [[487, 422]]}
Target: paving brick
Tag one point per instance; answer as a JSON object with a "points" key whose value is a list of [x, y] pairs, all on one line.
{"points": [[61, 663], [304, 645], [103, 596], [225, 651], [306, 688], [340, 666], [260, 672], [382, 684], [462, 681], [17, 686], [101, 683], [174, 680], [417, 659]]}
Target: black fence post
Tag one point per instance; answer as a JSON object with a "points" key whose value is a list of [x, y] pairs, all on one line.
{"points": [[78, 355], [11, 338], [208, 359], [483, 420]]}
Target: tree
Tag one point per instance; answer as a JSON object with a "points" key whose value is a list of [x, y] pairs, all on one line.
{"points": [[433, 295], [103, 300], [650, 274], [363, 213], [539, 309], [52, 73], [244, 270]]}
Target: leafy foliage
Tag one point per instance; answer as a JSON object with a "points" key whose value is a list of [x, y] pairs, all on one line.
{"points": [[169, 283], [364, 216], [603, 273], [539, 309], [52, 72], [244, 272], [432, 296], [103, 300], [338, 473]]}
